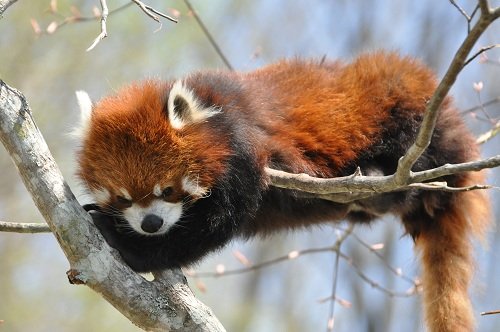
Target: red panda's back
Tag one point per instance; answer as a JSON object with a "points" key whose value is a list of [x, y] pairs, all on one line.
{"points": [[322, 115]]}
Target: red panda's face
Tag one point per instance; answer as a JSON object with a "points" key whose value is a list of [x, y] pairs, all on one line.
{"points": [[146, 154]]}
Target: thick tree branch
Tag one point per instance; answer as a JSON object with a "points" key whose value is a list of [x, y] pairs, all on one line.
{"points": [[165, 304], [353, 187]]}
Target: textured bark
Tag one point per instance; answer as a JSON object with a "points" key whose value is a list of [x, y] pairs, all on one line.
{"points": [[356, 186], [4, 4], [165, 304]]}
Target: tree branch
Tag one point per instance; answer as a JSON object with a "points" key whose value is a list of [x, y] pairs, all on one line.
{"points": [[405, 164], [335, 248], [481, 51], [104, 32], [494, 312], [353, 187], [165, 304], [340, 239], [209, 35], [4, 4], [17, 227], [151, 12], [489, 134], [481, 106]]}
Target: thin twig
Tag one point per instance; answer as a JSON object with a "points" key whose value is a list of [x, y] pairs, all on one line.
{"points": [[449, 169], [461, 10], [483, 105], [397, 272], [424, 135], [467, 17], [170, 18], [443, 186], [150, 11], [411, 291], [341, 238], [104, 33], [291, 255], [299, 253], [481, 51], [489, 134], [494, 312], [208, 35], [16, 227], [78, 18]]}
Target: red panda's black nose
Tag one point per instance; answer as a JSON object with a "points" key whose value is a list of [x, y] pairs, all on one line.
{"points": [[151, 223]]}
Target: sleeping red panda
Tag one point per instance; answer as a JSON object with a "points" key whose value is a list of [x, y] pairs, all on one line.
{"points": [[176, 168]]}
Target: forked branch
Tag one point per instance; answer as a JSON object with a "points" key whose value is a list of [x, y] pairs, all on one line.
{"points": [[354, 187]]}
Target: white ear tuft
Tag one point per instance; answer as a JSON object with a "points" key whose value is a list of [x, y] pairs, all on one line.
{"points": [[85, 104], [184, 108]]}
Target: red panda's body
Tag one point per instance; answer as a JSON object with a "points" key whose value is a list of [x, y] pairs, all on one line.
{"points": [[183, 162]]}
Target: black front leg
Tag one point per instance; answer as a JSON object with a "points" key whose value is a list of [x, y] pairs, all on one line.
{"points": [[137, 251]]}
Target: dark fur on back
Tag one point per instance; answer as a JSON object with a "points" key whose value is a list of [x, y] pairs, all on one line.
{"points": [[324, 119]]}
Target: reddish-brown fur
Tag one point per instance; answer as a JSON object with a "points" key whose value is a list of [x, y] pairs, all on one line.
{"points": [[447, 263], [138, 164], [321, 119]]}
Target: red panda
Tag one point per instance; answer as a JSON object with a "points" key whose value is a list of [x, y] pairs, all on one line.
{"points": [[176, 168]]}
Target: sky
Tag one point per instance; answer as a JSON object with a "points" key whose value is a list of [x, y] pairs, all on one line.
{"points": [[285, 297]]}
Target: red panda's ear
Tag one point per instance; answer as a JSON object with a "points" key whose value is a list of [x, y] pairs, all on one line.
{"points": [[85, 104], [184, 108]]}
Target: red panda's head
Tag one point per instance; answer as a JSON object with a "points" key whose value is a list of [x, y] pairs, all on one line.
{"points": [[148, 151]]}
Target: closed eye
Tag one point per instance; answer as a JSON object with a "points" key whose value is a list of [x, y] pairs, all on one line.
{"points": [[122, 202], [167, 192]]}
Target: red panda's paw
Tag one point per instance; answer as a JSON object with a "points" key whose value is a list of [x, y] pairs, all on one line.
{"points": [[114, 232], [107, 226]]}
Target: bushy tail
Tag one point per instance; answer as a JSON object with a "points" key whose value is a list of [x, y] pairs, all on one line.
{"points": [[447, 263]]}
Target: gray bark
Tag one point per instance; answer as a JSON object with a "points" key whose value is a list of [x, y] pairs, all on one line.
{"points": [[4, 4], [165, 304]]}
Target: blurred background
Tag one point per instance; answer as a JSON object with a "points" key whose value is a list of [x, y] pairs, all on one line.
{"points": [[34, 292]]}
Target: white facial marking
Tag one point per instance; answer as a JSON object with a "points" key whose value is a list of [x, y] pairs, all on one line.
{"points": [[169, 212], [193, 188], [101, 195], [85, 104], [125, 194], [194, 113], [157, 190]]}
